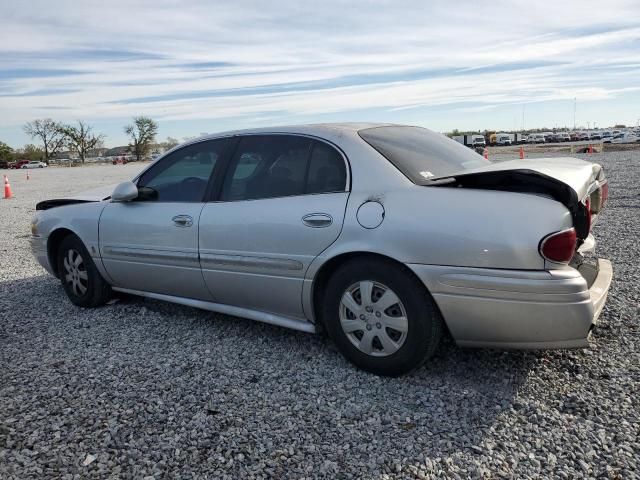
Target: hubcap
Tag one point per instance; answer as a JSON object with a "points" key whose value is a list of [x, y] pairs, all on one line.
{"points": [[75, 272], [373, 318]]}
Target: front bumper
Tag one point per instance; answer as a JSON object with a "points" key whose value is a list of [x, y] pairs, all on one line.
{"points": [[517, 309], [39, 250]]}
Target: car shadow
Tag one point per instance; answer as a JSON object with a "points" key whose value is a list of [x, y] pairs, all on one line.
{"points": [[449, 405]]}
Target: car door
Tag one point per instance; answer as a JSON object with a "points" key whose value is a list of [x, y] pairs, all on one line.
{"points": [[281, 203], [151, 244]]}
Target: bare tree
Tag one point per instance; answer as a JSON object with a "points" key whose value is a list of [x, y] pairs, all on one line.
{"points": [[49, 133], [81, 138], [143, 134], [169, 143]]}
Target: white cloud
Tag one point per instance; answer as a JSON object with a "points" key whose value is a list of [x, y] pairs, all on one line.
{"points": [[359, 55]]}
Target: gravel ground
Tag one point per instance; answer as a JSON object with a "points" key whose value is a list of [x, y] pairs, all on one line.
{"points": [[142, 388]]}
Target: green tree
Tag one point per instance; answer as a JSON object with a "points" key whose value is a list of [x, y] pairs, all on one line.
{"points": [[143, 133], [49, 133], [6, 152], [31, 152], [81, 138]]}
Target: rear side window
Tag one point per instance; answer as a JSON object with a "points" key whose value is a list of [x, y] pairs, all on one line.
{"points": [[327, 171], [269, 166], [420, 153]]}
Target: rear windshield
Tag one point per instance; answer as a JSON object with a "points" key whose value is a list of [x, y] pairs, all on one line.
{"points": [[420, 153]]}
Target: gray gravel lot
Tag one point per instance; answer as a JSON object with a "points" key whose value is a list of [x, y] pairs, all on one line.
{"points": [[142, 388]]}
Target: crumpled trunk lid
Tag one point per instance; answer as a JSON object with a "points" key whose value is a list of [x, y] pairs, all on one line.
{"points": [[573, 172], [573, 182]]}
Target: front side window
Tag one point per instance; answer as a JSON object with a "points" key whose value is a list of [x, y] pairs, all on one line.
{"points": [[183, 175], [269, 166]]}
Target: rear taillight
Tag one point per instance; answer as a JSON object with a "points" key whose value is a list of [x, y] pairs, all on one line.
{"points": [[588, 213], [559, 247]]}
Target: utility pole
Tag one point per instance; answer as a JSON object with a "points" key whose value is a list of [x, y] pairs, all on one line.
{"points": [[523, 117], [574, 113]]}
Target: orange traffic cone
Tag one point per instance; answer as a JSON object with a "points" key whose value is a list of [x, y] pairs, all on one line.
{"points": [[486, 153], [7, 188], [521, 153], [590, 148]]}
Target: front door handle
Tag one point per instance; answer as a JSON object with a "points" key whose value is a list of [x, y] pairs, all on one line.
{"points": [[182, 220], [317, 220]]}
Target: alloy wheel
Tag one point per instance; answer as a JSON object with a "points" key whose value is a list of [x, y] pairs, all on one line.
{"points": [[75, 272]]}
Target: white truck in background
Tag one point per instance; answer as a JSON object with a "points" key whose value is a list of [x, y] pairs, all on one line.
{"points": [[471, 141], [504, 139]]}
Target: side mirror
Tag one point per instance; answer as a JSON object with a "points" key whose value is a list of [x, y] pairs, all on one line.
{"points": [[124, 192]]}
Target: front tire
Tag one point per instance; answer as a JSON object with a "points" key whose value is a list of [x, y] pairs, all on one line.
{"points": [[80, 278], [381, 317]]}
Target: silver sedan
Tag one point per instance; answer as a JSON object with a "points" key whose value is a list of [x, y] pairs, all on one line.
{"points": [[383, 236]]}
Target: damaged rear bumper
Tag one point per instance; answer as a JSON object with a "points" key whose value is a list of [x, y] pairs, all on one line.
{"points": [[518, 309]]}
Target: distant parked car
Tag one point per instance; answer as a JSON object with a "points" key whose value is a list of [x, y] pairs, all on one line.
{"points": [[536, 138], [119, 161], [607, 137], [18, 164], [582, 136], [563, 137], [5, 164], [626, 138], [595, 136], [34, 164]]}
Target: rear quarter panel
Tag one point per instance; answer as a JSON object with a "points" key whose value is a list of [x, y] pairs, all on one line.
{"points": [[454, 226], [448, 226]]}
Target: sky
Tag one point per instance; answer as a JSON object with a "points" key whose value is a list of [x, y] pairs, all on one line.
{"points": [[198, 66]]}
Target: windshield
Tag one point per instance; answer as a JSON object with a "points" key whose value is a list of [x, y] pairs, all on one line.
{"points": [[420, 153]]}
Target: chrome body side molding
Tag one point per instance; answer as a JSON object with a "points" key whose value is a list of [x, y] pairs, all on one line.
{"points": [[164, 257], [216, 260]]}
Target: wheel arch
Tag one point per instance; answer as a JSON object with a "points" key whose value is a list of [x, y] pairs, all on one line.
{"points": [[329, 267], [53, 246]]}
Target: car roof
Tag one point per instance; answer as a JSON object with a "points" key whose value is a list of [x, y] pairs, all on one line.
{"points": [[314, 129]]}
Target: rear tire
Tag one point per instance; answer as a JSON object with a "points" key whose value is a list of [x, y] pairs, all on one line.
{"points": [[381, 317], [80, 278]]}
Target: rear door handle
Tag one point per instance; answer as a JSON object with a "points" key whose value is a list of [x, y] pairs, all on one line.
{"points": [[317, 220], [182, 220]]}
